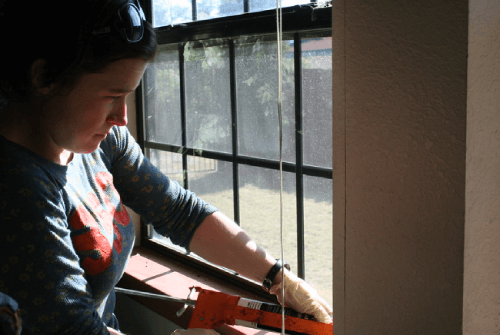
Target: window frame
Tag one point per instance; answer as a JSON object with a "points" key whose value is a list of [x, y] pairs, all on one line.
{"points": [[300, 21]]}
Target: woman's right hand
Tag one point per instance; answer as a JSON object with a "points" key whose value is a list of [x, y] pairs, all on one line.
{"points": [[303, 298]]}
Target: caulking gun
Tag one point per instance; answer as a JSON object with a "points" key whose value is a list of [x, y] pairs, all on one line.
{"points": [[213, 309]]}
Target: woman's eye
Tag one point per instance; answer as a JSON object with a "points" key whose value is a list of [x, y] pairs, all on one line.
{"points": [[114, 98]]}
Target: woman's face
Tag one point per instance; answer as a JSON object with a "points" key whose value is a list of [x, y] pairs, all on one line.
{"points": [[79, 119]]}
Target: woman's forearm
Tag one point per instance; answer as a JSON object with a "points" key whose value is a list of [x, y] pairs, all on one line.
{"points": [[222, 242]]}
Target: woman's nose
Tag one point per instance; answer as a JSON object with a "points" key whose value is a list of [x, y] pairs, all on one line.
{"points": [[119, 115]]}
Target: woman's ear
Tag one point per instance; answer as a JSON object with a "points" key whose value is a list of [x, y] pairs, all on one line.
{"points": [[38, 70]]}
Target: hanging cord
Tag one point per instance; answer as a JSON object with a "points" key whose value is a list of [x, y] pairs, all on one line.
{"points": [[280, 122]]}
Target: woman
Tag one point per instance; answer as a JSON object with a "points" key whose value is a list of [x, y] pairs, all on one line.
{"points": [[68, 166]]}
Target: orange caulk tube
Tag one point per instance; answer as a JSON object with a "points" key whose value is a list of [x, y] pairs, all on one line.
{"points": [[214, 309]]}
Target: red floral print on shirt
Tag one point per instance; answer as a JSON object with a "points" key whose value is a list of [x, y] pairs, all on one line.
{"points": [[98, 215]]}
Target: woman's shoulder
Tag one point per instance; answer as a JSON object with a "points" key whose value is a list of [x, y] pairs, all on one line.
{"points": [[116, 136], [112, 140], [31, 192], [23, 172], [119, 145]]}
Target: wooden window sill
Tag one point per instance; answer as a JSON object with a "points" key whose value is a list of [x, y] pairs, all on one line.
{"points": [[150, 272]]}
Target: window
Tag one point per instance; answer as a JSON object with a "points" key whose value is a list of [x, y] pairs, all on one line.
{"points": [[167, 12], [209, 121]]}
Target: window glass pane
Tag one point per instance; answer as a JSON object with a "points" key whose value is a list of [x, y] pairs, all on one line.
{"points": [[318, 223], [169, 163], [209, 9], [258, 5], [167, 12], [260, 210], [208, 104], [162, 113], [212, 180], [317, 101], [209, 179], [257, 96]]}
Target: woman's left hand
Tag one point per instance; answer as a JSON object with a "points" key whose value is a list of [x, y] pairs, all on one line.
{"points": [[301, 297]]}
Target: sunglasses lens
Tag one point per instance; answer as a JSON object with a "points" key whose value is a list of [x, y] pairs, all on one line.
{"points": [[132, 21], [129, 23]]}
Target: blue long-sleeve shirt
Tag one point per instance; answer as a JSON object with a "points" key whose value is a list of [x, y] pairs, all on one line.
{"points": [[65, 236]]}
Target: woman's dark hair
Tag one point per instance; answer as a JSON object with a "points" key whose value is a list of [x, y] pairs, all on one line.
{"points": [[61, 33]]}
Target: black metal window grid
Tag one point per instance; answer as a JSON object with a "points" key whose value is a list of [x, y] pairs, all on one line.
{"points": [[299, 22]]}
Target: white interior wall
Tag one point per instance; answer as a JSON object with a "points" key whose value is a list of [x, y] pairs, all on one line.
{"points": [[481, 308], [399, 111]]}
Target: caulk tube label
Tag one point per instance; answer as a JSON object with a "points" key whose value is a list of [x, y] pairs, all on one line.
{"points": [[273, 308]]}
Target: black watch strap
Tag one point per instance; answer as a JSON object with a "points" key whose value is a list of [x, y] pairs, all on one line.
{"points": [[268, 281]]}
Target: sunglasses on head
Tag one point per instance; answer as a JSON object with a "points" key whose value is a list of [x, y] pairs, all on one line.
{"points": [[129, 22]]}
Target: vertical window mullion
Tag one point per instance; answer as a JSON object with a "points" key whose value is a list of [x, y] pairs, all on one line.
{"points": [[183, 115], [234, 132], [141, 107], [299, 155], [194, 10], [147, 7], [141, 103]]}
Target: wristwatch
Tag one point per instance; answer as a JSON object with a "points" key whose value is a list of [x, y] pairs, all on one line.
{"points": [[268, 281]]}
